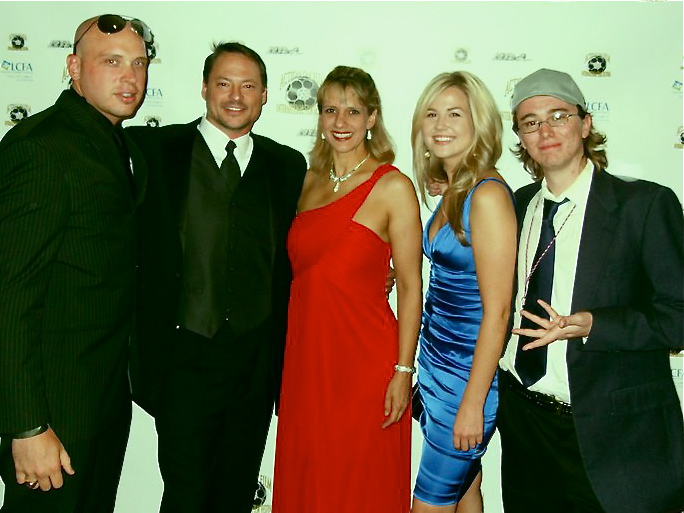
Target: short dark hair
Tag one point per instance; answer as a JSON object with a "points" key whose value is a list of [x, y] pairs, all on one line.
{"points": [[233, 47]]}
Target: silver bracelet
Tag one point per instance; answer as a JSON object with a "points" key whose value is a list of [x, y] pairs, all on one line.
{"points": [[404, 368]]}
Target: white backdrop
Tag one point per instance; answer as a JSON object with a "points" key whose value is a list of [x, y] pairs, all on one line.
{"points": [[625, 56]]}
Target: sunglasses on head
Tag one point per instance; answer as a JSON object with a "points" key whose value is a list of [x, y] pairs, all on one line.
{"points": [[113, 23]]}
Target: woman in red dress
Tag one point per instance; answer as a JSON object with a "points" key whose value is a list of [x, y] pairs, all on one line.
{"points": [[343, 443]]}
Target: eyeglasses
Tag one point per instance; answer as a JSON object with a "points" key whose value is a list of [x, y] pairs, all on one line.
{"points": [[554, 120], [113, 23]]}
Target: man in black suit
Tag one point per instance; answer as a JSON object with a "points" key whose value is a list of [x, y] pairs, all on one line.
{"points": [[67, 270], [213, 287], [589, 416]]}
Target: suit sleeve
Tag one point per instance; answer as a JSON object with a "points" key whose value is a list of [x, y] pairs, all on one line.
{"points": [[658, 321], [33, 210]]}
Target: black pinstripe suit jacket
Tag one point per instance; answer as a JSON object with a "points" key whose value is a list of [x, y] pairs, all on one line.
{"points": [[67, 264]]}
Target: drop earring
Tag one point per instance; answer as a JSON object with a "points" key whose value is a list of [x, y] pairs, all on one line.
{"points": [[369, 136]]}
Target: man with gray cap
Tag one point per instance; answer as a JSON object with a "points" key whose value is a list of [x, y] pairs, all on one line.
{"points": [[589, 417]]}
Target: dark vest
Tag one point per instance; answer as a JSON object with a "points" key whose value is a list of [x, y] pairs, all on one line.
{"points": [[228, 248]]}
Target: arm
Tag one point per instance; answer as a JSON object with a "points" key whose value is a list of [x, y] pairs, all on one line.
{"points": [[404, 233], [33, 209], [658, 321], [493, 239]]}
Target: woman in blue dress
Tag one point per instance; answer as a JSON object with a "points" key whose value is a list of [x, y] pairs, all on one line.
{"points": [[470, 241]]}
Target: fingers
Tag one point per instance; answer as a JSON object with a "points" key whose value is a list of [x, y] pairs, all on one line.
{"points": [[394, 412], [65, 460], [465, 443], [547, 307]]}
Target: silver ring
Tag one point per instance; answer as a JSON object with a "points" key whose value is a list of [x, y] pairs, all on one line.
{"points": [[31, 485]]}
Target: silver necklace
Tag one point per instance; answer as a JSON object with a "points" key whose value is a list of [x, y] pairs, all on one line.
{"points": [[337, 180]]}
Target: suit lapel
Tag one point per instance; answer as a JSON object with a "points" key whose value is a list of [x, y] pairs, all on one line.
{"points": [[598, 232]]}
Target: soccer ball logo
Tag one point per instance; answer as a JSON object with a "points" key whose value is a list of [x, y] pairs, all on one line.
{"points": [[17, 41], [461, 55], [17, 113], [260, 495], [301, 93], [681, 135], [152, 122], [597, 64]]}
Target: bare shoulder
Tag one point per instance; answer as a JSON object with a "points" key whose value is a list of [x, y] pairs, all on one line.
{"points": [[492, 193], [395, 182]]}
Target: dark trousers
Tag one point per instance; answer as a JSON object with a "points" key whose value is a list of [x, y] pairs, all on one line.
{"points": [[92, 489], [213, 421], [541, 465]]}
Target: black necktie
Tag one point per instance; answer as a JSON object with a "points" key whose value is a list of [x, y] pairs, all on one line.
{"points": [[531, 364], [230, 171]]}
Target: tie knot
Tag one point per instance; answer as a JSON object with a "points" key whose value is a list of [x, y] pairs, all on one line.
{"points": [[230, 147], [550, 208]]}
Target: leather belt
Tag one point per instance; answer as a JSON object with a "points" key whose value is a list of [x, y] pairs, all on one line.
{"points": [[543, 401]]}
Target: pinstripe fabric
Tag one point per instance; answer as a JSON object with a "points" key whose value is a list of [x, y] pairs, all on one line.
{"points": [[67, 261]]}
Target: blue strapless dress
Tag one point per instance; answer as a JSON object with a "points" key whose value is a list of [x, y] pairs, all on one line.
{"points": [[451, 322]]}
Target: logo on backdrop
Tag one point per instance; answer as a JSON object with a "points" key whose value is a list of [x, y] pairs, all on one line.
{"points": [[17, 42], [60, 43], [153, 121], [20, 71], [597, 65], [17, 112], [599, 109], [306, 132], [299, 90], [677, 86], [154, 97], [510, 56], [461, 55], [261, 495], [284, 50], [680, 145]]}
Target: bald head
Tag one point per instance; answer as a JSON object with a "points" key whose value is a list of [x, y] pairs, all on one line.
{"points": [[109, 66]]}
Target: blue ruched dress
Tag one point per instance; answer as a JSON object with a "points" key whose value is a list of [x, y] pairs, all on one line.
{"points": [[451, 322]]}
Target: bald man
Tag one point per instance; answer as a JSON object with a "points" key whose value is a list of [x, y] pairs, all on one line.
{"points": [[69, 188]]}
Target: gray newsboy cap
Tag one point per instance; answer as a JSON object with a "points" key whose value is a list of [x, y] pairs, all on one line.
{"points": [[547, 82]]}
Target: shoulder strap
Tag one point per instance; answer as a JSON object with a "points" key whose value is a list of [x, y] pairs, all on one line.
{"points": [[363, 190]]}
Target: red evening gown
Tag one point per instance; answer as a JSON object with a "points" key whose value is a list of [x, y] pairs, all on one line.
{"points": [[332, 455]]}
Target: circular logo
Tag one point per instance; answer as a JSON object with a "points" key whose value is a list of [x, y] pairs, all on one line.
{"points": [[18, 113], [461, 54], [17, 41], [301, 93], [152, 51], [152, 122], [597, 64], [681, 136], [260, 495]]}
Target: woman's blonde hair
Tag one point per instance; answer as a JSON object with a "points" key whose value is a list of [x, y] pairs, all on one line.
{"points": [[355, 79], [482, 155]]}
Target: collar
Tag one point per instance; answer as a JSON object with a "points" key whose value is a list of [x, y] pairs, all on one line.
{"points": [[578, 192], [92, 112], [216, 141]]}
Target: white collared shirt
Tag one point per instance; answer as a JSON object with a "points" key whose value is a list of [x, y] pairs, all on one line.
{"points": [[570, 216], [216, 141]]}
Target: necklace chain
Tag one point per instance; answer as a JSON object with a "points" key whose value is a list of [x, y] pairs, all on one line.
{"points": [[546, 249], [337, 180]]}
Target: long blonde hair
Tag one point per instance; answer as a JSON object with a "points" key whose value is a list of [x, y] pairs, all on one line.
{"points": [[380, 146], [482, 155]]}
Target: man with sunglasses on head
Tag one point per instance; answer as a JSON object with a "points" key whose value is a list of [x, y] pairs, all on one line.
{"points": [[589, 417], [213, 287], [68, 194]]}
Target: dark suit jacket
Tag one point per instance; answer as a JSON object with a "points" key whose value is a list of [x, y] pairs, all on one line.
{"points": [[67, 270], [256, 292], [630, 276]]}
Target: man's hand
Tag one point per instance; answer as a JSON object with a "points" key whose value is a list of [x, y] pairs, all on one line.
{"points": [[435, 187], [558, 327], [40, 459], [390, 281]]}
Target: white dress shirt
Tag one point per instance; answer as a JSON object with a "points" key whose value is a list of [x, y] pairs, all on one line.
{"points": [[216, 141], [567, 224]]}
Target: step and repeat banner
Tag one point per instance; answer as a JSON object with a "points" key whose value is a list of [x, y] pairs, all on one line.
{"points": [[625, 56]]}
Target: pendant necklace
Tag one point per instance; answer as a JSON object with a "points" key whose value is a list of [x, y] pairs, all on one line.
{"points": [[337, 180], [551, 243]]}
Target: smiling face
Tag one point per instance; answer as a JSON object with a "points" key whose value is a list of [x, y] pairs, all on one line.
{"points": [[110, 72], [344, 120], [234, 94], [447, 128], [555, 149]]}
